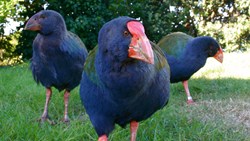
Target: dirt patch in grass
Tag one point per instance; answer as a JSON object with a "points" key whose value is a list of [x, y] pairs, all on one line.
{"points": [[233, 113]]}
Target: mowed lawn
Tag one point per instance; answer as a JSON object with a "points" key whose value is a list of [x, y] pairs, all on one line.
{"points": [[221, 112]]}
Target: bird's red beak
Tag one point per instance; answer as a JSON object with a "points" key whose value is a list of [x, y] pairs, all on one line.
{"points": [[140, 47], [32, 25], [219, 55]]}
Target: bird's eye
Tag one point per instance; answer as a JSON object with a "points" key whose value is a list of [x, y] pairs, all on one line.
{"points": [[210, 51], [126, 33]]}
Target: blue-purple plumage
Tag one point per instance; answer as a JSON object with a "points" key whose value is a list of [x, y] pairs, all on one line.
{"points": [[116, 89], [186, 55], [58, 57]]}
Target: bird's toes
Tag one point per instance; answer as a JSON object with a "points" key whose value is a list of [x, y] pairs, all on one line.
{"points": [[46, 118], [51, 122], [66, 120], [42, 119]]}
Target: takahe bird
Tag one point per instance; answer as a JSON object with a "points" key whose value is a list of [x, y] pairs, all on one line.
{"points": [[186, 55], [126, 78], [58, 56]]}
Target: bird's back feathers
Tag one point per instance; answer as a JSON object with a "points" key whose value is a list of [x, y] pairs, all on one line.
{"points": [[175, 43]]}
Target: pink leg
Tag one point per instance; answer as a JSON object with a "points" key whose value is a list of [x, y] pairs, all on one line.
{"points": [[66, 103], [103, 138], [189, 98], [133, 129], [45, 115]]}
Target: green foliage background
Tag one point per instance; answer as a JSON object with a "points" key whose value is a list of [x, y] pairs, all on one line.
{"points": [[227, 21], [8, 42]]}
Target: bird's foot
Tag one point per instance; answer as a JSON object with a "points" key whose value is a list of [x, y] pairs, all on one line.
{"points": [[103, 138], [190, 101], [46, 118], [66, 120]]}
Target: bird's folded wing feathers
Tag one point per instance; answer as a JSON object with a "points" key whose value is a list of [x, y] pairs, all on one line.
{"points": [[174, 43], [160, 60], [73, 45], [89, 66]]}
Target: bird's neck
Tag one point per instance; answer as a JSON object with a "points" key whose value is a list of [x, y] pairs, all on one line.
{"points": [[55, 36], [186, 65], [47, 44], [193, 60]]}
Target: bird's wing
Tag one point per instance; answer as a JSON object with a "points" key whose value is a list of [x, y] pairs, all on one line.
{"points": [[73, 45], [89, 66], [160, 60], [174, 43]]}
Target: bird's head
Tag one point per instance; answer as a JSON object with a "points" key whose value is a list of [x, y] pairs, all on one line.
{"points": [[46, 22], [211, 47], [125, 39], [215, 50]]}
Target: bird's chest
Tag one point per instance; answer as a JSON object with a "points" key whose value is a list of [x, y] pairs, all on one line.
{"points": [[46, 48], [47, 58], [126, 83]]}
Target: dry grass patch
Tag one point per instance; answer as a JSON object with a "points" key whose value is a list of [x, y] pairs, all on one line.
{"points": [[232, 113]]}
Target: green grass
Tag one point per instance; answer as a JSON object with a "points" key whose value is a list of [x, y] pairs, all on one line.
{"points": [[221, 112]]}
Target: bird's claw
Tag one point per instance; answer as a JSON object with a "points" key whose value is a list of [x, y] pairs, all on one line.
{"points": [[46, 118], [66, 120]]}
